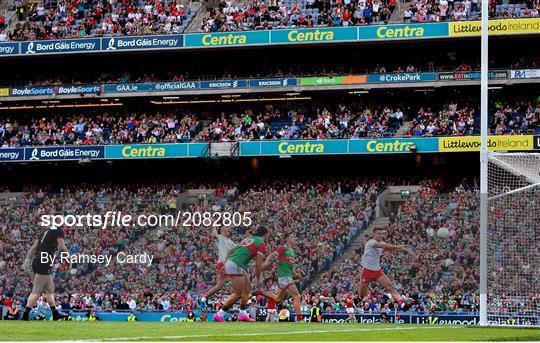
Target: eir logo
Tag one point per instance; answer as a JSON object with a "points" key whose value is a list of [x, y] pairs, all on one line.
{"points": [[536, 142]]}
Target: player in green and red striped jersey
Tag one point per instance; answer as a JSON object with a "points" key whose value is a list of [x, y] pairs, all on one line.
{"points": [[235, 266], [286, 260]]}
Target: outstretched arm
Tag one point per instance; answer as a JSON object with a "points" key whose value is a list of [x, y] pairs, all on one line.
{"points": [[387, 246]]}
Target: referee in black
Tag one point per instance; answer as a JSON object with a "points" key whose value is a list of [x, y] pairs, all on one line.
{"points": [[48, 242]]}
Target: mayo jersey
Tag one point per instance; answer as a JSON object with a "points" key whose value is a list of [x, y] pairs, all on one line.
{"points": [[223, 245], [247, 250], [371, 256]]}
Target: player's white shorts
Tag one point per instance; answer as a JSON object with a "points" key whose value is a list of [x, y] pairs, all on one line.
{"points": [[232, 269], [272, 314], [350, 310], [284, 282]]}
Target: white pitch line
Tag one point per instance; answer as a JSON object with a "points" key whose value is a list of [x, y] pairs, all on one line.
{"points": [[256, 334]]}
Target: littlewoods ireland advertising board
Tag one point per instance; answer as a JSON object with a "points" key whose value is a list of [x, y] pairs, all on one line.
{"points": [[504, 143], [496, 27]]}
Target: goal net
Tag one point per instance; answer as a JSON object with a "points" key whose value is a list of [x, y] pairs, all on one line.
{"points": [[513, 249]]}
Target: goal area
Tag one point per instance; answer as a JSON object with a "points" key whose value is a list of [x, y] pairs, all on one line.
{"points": [[513, 239]]}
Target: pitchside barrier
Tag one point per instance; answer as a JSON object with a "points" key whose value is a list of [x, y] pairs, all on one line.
{"points": [[413, 317]]}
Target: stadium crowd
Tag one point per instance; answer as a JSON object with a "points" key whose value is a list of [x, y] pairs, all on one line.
{"points": [[513, 238], [261, 15], [269, 123], [184, 256], [286, 122], [78, 19], [445, 275], [454, 120], [442, 277], [422, 11]]}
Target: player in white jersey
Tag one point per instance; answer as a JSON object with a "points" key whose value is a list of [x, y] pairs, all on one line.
{"points": [[223, 245], [371, 264]]}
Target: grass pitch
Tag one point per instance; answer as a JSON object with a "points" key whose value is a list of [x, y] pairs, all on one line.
{"points": [[145, 331]]}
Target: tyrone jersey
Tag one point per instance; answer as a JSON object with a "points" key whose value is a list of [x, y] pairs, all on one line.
{"points": [[349, 303], [48, 242], [371, 256], [247, 250], [286, 260], [223, 245]]}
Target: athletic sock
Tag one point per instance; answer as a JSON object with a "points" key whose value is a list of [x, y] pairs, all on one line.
{"points": [[26, 314], [221, 312], [298, 317], [243, 312]]}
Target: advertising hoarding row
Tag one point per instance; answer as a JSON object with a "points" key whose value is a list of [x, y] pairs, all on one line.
{"points": [[461, 318], [270, 37], [316, 81], [272, 148]]}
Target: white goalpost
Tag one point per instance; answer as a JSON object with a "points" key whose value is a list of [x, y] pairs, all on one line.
{"points": [[483, 162]]}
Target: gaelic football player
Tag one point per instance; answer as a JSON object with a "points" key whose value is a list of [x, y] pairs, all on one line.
{"points": [[223, 245], [40, 259], [235, 266], [372, 271], [350, 307], [286, 260]]}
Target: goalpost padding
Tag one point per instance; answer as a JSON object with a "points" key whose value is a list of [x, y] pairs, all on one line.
{"points": [[513, 249]]}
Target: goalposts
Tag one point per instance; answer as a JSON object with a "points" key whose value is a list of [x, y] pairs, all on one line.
{"points": [[509, 223]]}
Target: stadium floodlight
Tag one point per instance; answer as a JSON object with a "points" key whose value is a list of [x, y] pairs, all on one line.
{"points": [[513, 207]]}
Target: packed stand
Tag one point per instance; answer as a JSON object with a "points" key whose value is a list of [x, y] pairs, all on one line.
{"points": [[184, 257], [100, 129], [422, 11], [513, 248], [519, 118], [444, 275], [274, 14], [270, 123], [78, 19], [452, 120], [322, 123], [457, 120]]}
